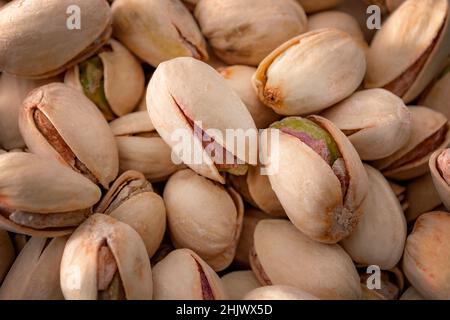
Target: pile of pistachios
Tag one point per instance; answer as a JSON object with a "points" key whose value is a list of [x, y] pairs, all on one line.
{"points": [[119, 179]]}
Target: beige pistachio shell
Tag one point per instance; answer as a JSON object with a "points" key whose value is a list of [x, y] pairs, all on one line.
{"points": [[236, 39], [438, 96], [376, 122], [240, 80], [183, 275], [7, 254], [411, 294], [142, 106], [422, 196], [278, 293], [132, 124], [203, 216], [442, 187], [35, 273], [426, 261], [238, 283], [34, 48], [158, 30], [210, 102], [379, 238], [322, 213], [304, 75], [410, 49], [425, 123], [79, 262], [311, 6], [288, 257], [79, 123]]}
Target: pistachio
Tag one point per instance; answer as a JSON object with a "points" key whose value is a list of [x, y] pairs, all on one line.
{"points": [[183, 275], [236, 39], [440, 173], [164, 249], [238, 283], [60, 123], [405, 59], [105, 259], [310, 72], [6, 254], [279, 293], [437, 97], [426, 261], [283, 255], [313, 152], [421, 196], [42, 198], [411, 294], [34, 48], [400, 193], [312, 6], [113, 79], [203, 216], [35, 273], [157, 30], [391, 285]]}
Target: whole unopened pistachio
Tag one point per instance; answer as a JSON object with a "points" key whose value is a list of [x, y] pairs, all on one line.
{"points": [[311, 6], [240, 79], [131, 200], [410, 49], [283, 255], [317, 176], [6, 254], [183, 275], [238, 283], [158, 30], [279, 293], [426, 261], [105, 259], [376, 122], [391, 285], [438, 95], [113, 79], [59, 122], [440, 173], [34, 48], [204, 216], [429, 132], [35, 273], [422, 196], [192, 108], [310, 72], [42, 198], [411, 294], [236, 39]]}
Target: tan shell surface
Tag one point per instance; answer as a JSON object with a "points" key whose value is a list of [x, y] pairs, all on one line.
{"points": [[132, 123], [238, 283], [278, 293], [438, 97], [442, 188], [7, 254], [312, 6], [422, 196]]}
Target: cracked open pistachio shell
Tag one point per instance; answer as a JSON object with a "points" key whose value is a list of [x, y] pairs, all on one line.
{"points": [[240, 80], [7, 254], [440, 173], [391, 284], [183, 275], [282, 255], [278, 293], [313, 152], [113, 79], [131, 200], [105, 259], [411, 294], [34, 47], [238, 283], [375, 121], [426, 261], [141, 148], [158, 30], [192, 108], [35, 273], [410, 49], [379, 238], [421, 196], [42, 198], [312, 6], [429, 132], [204, 216], [59, 122], [437, 97], [236, 39], [310, 72]]}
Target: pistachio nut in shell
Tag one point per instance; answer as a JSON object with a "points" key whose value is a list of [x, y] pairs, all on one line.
{"points": [[313, 152], [310, 72], [426, 261], [240, 80], [203, 216], [59, 122], [192, 108], [7, 254], [422, 196], [113, 79], [410, 49], [42, 198], [238, 283], [429, 132], [411, 294], [312, 6], [131, 200], [440, 173], [375, 121], [278, 293], [35, 273], [283, 255], [32, 47], [437, 97], [183, 275], [105, 259], [236, 39], [158, 30]]}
